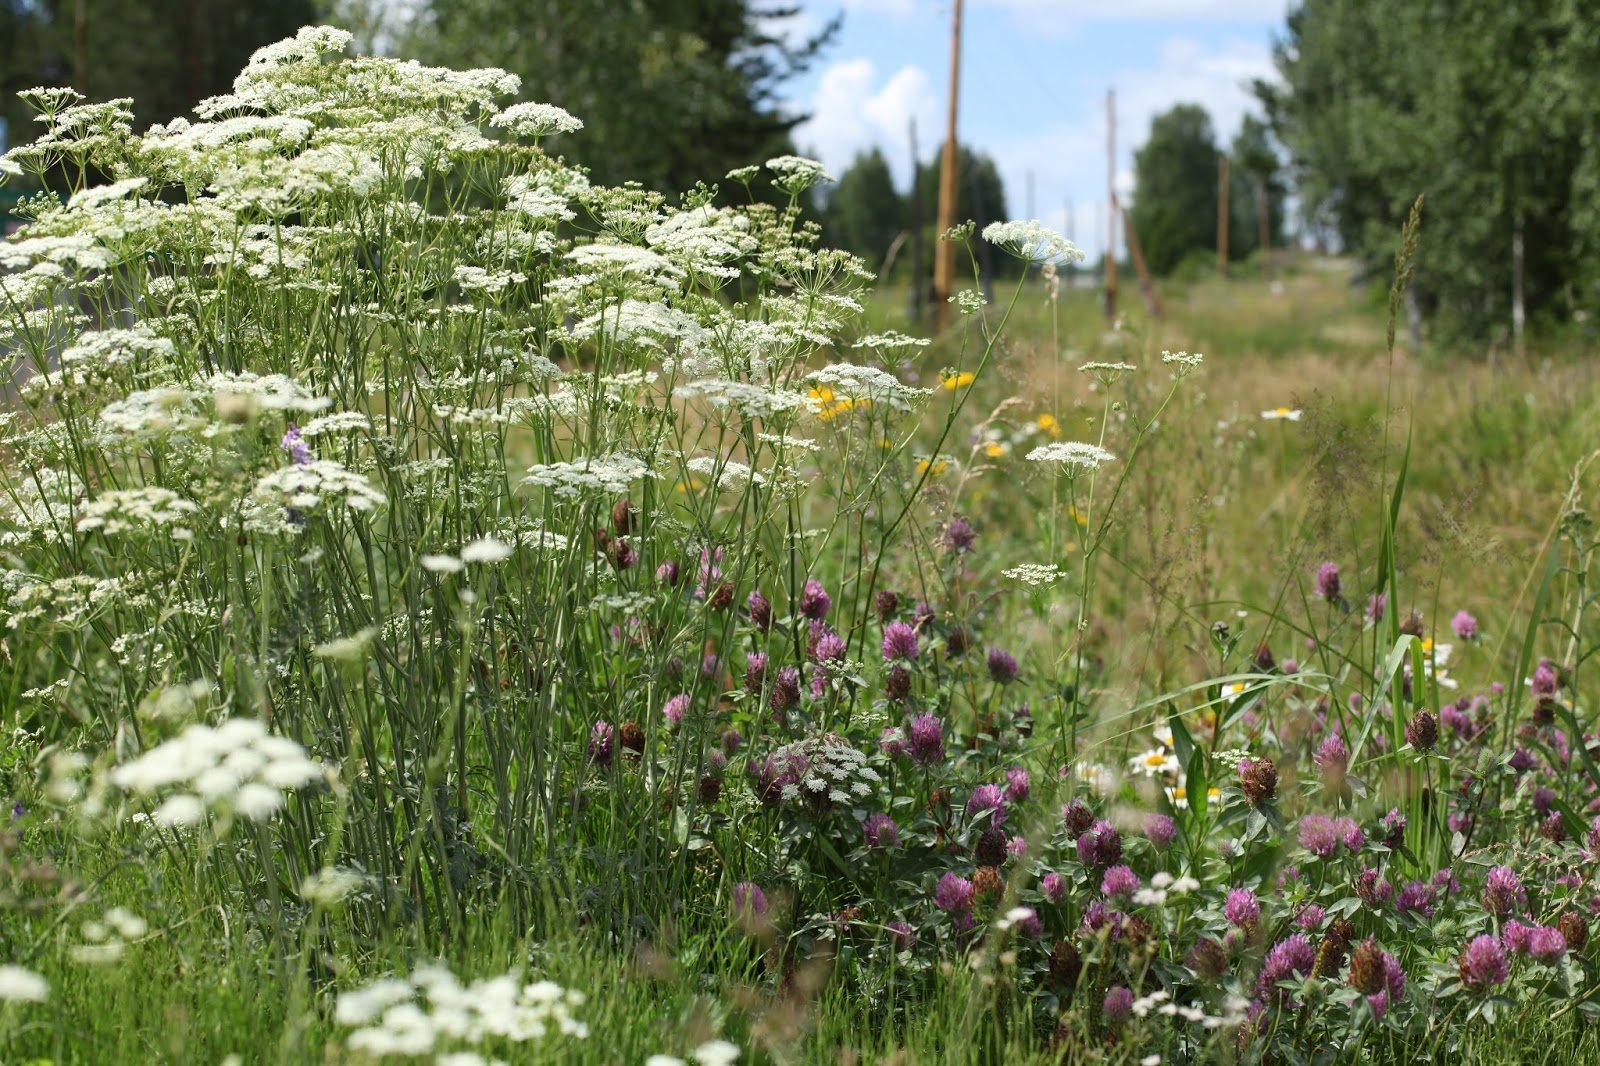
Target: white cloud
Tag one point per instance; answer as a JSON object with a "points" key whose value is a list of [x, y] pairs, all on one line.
{"points": [[1068, 159], [851, 112]]}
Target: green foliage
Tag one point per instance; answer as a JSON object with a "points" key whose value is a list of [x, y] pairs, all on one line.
{"points": [[1255, 171], [165, 54], [1175, 188], [1485, 106], [865, 213], [671, 92]]}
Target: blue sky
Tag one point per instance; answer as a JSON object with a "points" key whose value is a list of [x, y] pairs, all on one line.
{"points": [[1033, 83]]}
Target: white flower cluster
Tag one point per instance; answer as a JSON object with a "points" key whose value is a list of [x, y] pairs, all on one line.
{"points": [[1075, 456], [1031, 240], [104, 940], [305, 487], [416, 1015], [235, 767], [828, 766], [1233, 1007], [21, 985], [1182, 363], [608, 475], [1035, 574], [536, 120], [131, 510], [854, 382], [753, 401], [711, 1053], [795, 174]]}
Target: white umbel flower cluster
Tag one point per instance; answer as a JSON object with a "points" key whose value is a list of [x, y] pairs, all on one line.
{"points": [[1074, 456], [235, 767], [605, 475], [1032, 240], [433, 1012], [536, 120]]}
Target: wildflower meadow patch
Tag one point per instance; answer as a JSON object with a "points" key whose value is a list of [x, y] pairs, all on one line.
{"points": [[460, 612]]}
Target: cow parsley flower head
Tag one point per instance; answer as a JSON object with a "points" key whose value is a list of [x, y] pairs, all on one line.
{"points": [[795, 174], [1032, 241], [235, 767], [1075, 457], [1182, 363], [536, 120]]}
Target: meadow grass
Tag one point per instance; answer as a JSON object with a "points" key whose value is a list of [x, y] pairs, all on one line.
{"points": [[456, 611]]}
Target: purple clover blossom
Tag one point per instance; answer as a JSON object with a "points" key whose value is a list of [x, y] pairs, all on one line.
{"points": [[710, 571], [1350, 834], [1017, 847], [1545, 680], [1242, 908], [1160, 830], [674, 708], [1100, 846], [1515, 936], [1394, 828], [1290, 957], [953, 894], [1053, 886], [901, 935], [749, 904], [1310, 917], [293, 443], [1416, 896], [1118, 1003], [1332, 760], [758, 609], [1465, 626], [786, 690], [1376, 605], [880, 831], [1318, 835], [892, 741], [1547, 945], [899, 642], [1002, 666], [1120, 882], [1328, 581], [815, 603], [667, 573], [1483, 962], [959, 534], [988, 798], [602, 745], [1503, 894], [927, 739], [1018, 785], [755, 671], [826, 645]]}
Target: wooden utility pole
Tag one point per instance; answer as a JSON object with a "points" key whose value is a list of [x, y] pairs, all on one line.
{"points": [[1266, 227], [944, 252], [919, 288], [1222, 215], [1111, 199], [1147, 284]]}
